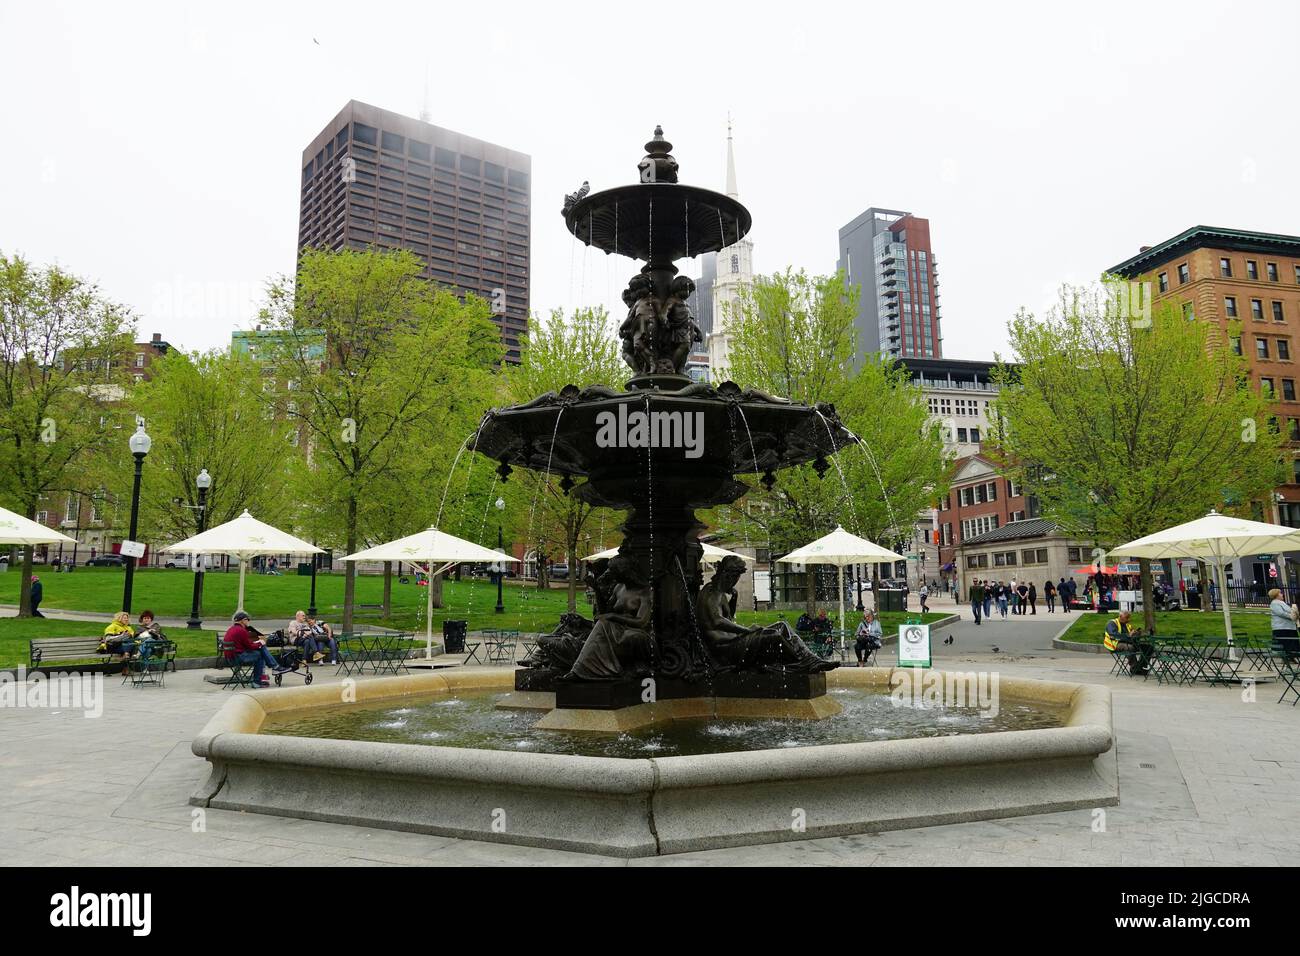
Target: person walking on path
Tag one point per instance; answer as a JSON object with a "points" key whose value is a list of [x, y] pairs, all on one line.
{"points": [[976, 599], [1049, 592], [1023, 593], [1013, 598], [1002, 599], [1063, 589], [38, 592], [924, 594], [988, 599], [1033, 598]]}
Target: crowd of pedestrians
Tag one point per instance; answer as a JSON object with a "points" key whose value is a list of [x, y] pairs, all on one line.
{"points": [[1017, 597]]}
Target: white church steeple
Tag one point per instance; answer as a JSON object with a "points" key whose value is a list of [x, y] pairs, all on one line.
{"points": [[735, 270]]}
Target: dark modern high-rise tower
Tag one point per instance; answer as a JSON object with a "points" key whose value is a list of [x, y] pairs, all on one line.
{"points": [[887, 252], [377, 178]]}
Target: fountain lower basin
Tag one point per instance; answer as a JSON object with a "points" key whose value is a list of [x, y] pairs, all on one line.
{"points": [[656, 805]]}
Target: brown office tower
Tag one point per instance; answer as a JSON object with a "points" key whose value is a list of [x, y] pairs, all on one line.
{"points": [[372, 178]]}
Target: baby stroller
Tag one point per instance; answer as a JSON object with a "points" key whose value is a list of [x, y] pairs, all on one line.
{"points": [[289, 657]]}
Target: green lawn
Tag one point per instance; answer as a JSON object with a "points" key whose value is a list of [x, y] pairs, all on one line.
{"points": [[272, 602], [14, 635], [1090, 626]]}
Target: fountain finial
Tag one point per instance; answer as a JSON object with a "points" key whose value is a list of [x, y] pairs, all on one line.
{"points": [[658, 165]]}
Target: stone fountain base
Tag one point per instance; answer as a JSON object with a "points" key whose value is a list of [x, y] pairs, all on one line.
{"points": [[618, 706], [632, 808]]}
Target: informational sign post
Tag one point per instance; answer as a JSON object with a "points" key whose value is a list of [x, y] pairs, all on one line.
{"points": [[762, 585], [131, 549], [914, 645]]}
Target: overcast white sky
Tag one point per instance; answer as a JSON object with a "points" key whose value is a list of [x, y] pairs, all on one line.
{"points": [[156, 147]]}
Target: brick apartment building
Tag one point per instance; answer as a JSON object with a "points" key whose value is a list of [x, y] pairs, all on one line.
{"points": [[980, 500], [1247, 284], [84, 517]]}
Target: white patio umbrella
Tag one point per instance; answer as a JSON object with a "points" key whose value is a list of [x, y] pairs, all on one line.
{"points": [[244, 537], [712, 555], [432, 547], [15, 529], [1213, 538], [840, 548]]}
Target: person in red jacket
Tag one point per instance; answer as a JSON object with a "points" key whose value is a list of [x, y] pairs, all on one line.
{"points": [[249, 649]]}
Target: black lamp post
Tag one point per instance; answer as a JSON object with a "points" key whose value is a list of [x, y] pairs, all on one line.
{"points": [[501, 565], [140, 444], [857, 573], [203, 482], [311, 604]]}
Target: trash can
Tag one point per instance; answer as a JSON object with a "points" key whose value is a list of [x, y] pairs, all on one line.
{"points": [[892, 599], [1194, 599], [304, 569], [453, 636]]}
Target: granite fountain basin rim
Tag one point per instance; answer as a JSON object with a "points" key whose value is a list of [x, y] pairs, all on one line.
{"points": [[641, 807]]}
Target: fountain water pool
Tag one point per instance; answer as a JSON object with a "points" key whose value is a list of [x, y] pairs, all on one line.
{"points": [[652, 804]]}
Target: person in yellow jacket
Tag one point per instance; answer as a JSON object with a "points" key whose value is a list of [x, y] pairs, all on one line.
{"points": [[1121, 636], [118, 636]]}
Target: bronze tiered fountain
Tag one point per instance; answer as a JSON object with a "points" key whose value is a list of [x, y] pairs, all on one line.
{"points": [[660, 449]]}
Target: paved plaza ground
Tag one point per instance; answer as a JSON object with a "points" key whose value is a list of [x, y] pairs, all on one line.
{"points": [[1205, 779]]}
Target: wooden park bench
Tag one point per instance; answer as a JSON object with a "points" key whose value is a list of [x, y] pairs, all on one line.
{"points": [[51, 650]]}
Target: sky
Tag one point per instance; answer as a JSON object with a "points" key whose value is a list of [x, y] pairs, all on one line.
{"points": [[156, 148]]}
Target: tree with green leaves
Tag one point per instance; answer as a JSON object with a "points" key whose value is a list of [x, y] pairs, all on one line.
{"points": [[63, 351], [1124, 424], [793, 335], [376, 365], [203, 411], [580, 349]]}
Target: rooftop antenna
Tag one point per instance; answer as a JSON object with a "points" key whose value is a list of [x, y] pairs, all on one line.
{"points": [[425, 116]]}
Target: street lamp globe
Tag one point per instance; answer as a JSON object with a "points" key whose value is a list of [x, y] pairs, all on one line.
{"points": [[140, 442], [501, 504], [204, 481]]}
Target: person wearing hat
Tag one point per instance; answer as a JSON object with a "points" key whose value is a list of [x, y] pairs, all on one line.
{"points": [[250, 649]]}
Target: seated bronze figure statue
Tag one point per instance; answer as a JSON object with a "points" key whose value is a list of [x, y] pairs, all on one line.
{"points": [[773, 647], [620, 642]]}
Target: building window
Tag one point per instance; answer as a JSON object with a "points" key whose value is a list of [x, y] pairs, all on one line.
{"points": [[1163, 279], [1183, 274], [975, 435], [1252, 269], [1261, 348], [961, 435], [977, 561], [365, 134], [1293, 428], [1272, 271], [1277, 312], [1257, 310], [1284, 349], [1288, 390], [1295, 472], [1236, 344], [1230, 306], [1004, 559], [1225, 268], [1074, 555], [1266, 387], [1188, 313], [1034, 556], [1297, 275], [139, 358], [1013, 490], [72, 509]]}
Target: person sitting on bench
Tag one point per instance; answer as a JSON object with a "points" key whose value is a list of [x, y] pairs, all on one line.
{"points": [[118, 636], [1122, 638], [300, 633], [323, 635], [149, 629], [249, 649]]}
